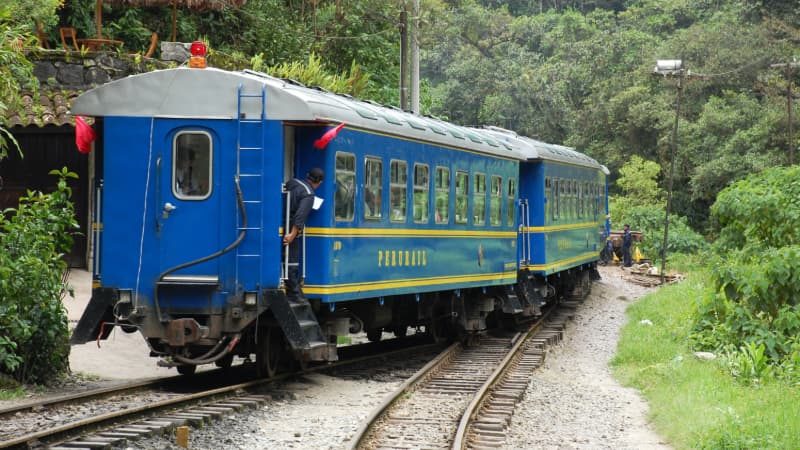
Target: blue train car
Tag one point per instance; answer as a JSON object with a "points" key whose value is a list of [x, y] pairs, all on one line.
{"points": [[564, 217], [423, 223]]}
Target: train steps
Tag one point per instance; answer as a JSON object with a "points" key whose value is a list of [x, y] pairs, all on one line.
{"points": [[302, 331]]}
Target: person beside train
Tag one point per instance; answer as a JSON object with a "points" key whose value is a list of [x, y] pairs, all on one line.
{"points": [[627, 241], [301, 194]]}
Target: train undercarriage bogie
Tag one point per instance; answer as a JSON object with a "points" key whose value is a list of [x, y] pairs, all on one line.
{"points": [[439, 311], [463, 314]]}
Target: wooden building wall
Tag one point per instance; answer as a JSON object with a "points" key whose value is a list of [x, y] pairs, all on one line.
{"points": [[44, 149]]}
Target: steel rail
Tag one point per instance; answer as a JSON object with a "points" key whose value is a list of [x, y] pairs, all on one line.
{"points": [[460, 441], [441, 359], [114, 417], [81, 426], [516, 343], [84, 395]]}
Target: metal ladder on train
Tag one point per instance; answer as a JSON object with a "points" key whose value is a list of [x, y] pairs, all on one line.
{"points": [[296, 318], [248, 256]]}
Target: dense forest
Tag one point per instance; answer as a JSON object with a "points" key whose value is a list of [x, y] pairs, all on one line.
{"points": [[574, 72]]}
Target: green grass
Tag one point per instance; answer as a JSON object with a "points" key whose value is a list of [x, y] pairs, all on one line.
{"points": [[694, 403], [10, 389], [12, 393]]}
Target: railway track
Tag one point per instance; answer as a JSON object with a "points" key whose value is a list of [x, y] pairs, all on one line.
{"points": [[112, 416], [465, 397], [488, 416]]}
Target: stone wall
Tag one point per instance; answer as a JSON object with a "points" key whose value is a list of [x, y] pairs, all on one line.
{"points": [[63, 75], [74, 71]]}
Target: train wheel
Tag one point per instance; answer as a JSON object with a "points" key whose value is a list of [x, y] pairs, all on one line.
{"points": [[374, 334], [400, 331], [436, 331], [583, 286], [440, 327], [225, 362], [186, 369], [268, 352], [586, 283]]}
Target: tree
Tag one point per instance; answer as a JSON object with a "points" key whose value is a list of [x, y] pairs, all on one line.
{"points": [[17, 21], [637, 181], [15, 72]]}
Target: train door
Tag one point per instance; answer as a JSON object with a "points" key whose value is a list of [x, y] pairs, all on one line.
{"points": [[188, 213]]}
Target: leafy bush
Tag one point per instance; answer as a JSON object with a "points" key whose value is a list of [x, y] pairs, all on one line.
{"points": [[760, 211], [753, 315], [33, 323]]}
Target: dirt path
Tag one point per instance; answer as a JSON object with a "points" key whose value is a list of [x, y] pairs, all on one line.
{"points": [[573, 401]]}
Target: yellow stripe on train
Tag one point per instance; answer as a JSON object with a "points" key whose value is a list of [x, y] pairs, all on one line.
{"points": [[569, 226], [411, 282], [562, 262], [389, 232]]}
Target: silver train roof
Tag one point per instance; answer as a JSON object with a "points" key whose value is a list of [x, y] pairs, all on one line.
{"points": [[532, 149], [211, 93]]}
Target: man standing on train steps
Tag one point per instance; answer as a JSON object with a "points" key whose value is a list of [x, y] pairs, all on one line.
{"points": [[302, 201], [626, 246]]}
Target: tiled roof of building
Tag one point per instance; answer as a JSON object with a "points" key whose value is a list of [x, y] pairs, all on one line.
{"points": [[50, 109]]}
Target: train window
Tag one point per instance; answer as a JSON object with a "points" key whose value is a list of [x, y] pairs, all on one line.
{"points": [[512, 193], [191, 165], [479, 201], [462, 194], [373, 188], [398, 188], [585, 196], [548, 198], [590, 198], [567, 200], [573, 199], [597, 200], [495, 208], [345, 198], [556, 198], [600, 204], [442, 195], [421, 193]]}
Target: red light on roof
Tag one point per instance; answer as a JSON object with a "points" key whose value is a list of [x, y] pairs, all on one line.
{"points": [[198, 48], [198, 58]]}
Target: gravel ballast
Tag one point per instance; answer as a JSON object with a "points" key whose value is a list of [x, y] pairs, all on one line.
{"points": [[573, 401]]}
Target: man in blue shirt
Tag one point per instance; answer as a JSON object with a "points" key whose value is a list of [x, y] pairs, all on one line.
{"points": [[627, 241], [301, 194]]}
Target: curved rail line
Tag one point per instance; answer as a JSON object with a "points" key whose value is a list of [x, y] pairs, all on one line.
{"points": [[465, 397], [168, 414], [84, 396], [486, 419]]}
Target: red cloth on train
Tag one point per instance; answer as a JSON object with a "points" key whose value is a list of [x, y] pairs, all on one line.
{"points": [[84, 135], [326, 138]]}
